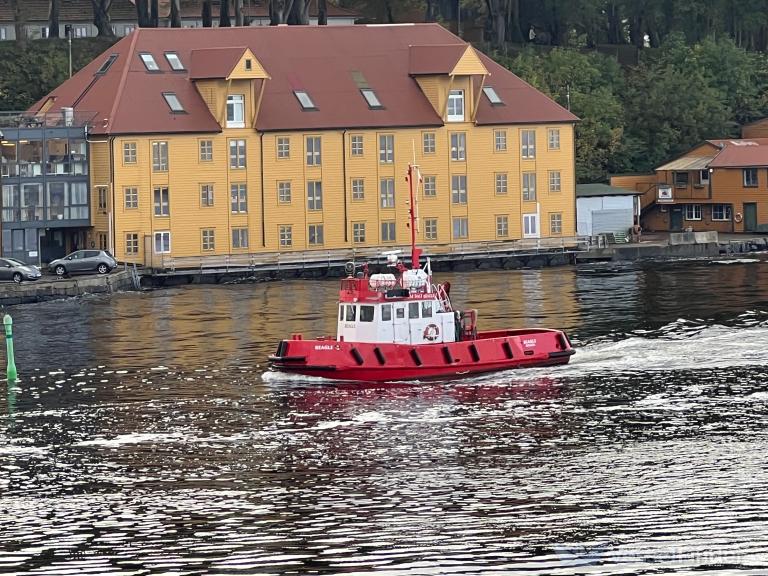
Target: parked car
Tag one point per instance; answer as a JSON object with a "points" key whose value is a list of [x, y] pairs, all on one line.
{"points": [[99, 261], [16, 270]]}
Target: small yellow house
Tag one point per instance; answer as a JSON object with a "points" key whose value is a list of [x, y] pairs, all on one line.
{"points": [[252, 140]]}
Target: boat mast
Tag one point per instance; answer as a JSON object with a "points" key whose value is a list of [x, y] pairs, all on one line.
{"points": [[415, 252]]}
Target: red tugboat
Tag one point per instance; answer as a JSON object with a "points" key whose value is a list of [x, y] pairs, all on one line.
{"points": [[394, 327]]}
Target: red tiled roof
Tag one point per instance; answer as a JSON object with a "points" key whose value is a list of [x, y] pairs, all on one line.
{"points": [[741, 153], [435, 59], [318, 59], [214, 62]]}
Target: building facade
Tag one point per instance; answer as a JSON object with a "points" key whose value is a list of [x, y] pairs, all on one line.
{"points": [[720, 185], [46, 205], [294, 138]]}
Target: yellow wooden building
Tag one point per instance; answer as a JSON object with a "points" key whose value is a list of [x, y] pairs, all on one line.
{"points": [[245, 141]]}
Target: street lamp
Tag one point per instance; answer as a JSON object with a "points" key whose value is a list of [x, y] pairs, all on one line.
{"points": [[68, 34]]}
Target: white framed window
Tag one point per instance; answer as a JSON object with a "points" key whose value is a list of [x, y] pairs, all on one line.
{"points": [[163, 242], [162, 202], [238, 194], [553, 138], [430, 186], [529, 186], [129, 152], [430, 228], [528, 144], [235, 111], [358, 232], [315, 235], [721, 212], [358, 189], [387, 192], [555, 223], [208, 239], [314, 157], [285, 233], [530, 225], [131, 196], [206, 195], [239, 238], [102, 190], [149, 62], [283, 147], [131, 244], [284, 192], [174, 61], [206, 150], [502, 226], [160, 156], [501, 183], [428, 142], [314, 195], [750, 177], [459, 189], [460, 227], [357, 145], [554, 181], [237, 154], [692, 212], [704, 176], [458, 146], [500, 140], [455, 106], [386, 148], [388, 232], [81, 31]]}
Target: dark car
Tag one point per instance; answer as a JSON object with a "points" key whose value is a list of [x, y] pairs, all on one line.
{"points": [[16, 270], [81, 261]]}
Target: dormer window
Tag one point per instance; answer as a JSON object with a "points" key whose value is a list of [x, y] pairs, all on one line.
{"points": [[493, 98], [107, 64], [235, 111], [149, 62], [248, 64], [371, 98], [456, 106], [174, 61], [173, 102], [304, 100]]}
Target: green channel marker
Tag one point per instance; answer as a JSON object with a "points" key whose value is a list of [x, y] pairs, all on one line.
{"points": [[11, 370]]}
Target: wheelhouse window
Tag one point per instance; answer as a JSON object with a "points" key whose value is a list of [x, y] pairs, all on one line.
{"points": [[413, 310], [235, 111], [351, 312], [456, 106], [366, 313], [693, 211], [750, 177]]}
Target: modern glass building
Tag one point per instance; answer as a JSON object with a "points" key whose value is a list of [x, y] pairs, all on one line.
{"points": [[45, 186]]}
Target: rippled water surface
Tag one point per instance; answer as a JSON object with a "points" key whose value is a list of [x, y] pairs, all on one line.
{"points": [[145, 438]]}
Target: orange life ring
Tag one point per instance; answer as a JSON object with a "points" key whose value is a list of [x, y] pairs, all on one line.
{"points": [[431, 332], [737, 217]]}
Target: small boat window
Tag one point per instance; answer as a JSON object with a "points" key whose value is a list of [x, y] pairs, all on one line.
{"points": [[386, 312], [426, 309], [413, 310], [366, 313], [341, 312], [400, 312], [351, 313]]}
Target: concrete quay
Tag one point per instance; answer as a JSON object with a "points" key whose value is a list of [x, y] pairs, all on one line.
{"points": [[53, 288]]}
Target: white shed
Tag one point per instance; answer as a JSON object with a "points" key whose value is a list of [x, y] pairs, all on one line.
{"points": [[601, 208]]}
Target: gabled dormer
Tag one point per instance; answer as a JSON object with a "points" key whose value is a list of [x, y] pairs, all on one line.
{"points": [[231, 81], [451, 76]]}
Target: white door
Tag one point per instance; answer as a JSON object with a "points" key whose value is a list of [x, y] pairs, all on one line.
{"points": [[531, 226], [386, 324], [402, 335]]}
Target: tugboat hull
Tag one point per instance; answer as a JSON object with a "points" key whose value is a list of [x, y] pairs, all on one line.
{"points": [[379, 362]]}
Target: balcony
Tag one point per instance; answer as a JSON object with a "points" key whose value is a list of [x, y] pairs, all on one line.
{"points": [[64, 118]]}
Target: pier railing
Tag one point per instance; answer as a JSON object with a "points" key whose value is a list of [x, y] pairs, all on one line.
{"points": [[300, 259]]}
